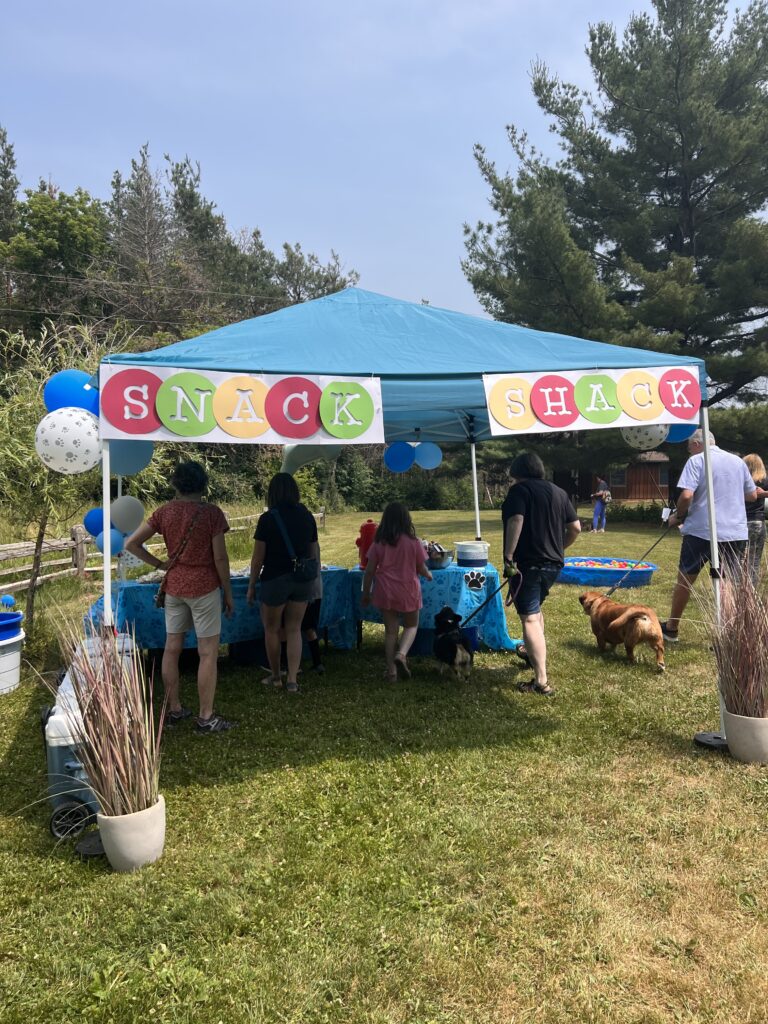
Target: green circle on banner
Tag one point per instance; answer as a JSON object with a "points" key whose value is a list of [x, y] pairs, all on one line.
{"points": [[596, 398], [346, 409], [184, 404]]}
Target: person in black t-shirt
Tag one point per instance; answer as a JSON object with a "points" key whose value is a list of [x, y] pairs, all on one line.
{"points": [[539, 523], [282, 599]]}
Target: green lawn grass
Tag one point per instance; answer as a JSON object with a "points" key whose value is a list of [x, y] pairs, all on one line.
{"points": [[424, 852]]}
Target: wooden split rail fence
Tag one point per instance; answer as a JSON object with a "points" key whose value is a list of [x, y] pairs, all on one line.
{"points": [[78, 550]]}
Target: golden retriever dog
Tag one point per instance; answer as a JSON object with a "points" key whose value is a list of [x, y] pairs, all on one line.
{"points": [[628, 624]]}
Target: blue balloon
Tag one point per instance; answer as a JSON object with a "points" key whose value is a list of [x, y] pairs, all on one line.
{"points": [[67, 389], [129, 457], [399, 457], [117, 541], [681, 432], [93, 521], [428, 455], [8, 601]]}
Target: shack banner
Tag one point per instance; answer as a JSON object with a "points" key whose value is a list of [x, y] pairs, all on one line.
{"points": [[542, 403], [177, 404]]}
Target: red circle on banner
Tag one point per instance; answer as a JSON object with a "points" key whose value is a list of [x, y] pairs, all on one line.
{"points": [[127, 400], [292, 407], [680, 393], [553, 402]]}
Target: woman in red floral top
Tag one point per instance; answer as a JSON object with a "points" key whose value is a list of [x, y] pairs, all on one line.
{"points": [[195, 580]]}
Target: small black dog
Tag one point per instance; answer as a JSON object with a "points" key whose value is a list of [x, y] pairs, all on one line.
{"points": [[450, 648]]}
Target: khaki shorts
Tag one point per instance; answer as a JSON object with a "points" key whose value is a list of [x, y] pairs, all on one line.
{"points": [[203, 614]]}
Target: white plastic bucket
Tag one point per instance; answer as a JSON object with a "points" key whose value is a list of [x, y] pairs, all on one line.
{"points": [[10, 662], [471, 552]]}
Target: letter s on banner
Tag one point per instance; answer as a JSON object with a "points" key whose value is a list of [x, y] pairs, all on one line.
{"points": [[128, 401], [509, 402]]}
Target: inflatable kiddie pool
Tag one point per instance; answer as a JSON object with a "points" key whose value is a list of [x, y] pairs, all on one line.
{"points": [[605, 572]]}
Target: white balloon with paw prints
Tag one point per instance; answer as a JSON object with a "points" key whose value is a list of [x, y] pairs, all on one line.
{"points": [[67, 440], [647, 437]]}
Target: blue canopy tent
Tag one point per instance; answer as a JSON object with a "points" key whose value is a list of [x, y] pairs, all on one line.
{"points": [[430, 361]]}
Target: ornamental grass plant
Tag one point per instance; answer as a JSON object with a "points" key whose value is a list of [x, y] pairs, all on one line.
{"points": [[739, 638], [114, 725]]}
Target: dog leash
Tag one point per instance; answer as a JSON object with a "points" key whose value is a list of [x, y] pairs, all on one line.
{"points": [[642, 558], [509, 599]]}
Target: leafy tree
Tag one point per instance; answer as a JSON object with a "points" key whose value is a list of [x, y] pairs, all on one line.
{"points": [[649, 230], [48, 258]]}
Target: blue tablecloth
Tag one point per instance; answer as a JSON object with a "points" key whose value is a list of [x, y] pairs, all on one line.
{"points": [[133, 607], [459, 588]]}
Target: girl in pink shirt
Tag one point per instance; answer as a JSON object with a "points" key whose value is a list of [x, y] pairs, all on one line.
{"points": [[396, 559]]}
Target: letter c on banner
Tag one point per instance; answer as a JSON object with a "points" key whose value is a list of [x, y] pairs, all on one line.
{"points": [[639, 395], [128, 401], [293, 407]]}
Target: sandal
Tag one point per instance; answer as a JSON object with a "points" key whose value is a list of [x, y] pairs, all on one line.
{"points": [[522, 654], [291, 687], [401, 667], [531, 686], [390, 677]]}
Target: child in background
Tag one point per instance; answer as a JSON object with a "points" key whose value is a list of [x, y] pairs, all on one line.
{"points": [[601, 497], [396, 559]]}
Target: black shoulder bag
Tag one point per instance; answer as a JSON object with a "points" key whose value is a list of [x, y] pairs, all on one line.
{"points": [[304, 569]]}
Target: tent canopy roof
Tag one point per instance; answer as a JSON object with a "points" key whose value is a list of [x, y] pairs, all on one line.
{"points": [[430, 360]]}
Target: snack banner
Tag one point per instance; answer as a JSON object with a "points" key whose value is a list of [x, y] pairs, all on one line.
{"points": [[541, 403], [167, 403]]}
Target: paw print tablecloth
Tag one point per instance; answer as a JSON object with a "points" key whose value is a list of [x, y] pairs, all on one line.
{"points": [[134, 608], [461, 589]]}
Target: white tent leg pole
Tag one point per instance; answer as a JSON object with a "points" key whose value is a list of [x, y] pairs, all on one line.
{"points": [[712, 739], [475, 492], [107, 550]]}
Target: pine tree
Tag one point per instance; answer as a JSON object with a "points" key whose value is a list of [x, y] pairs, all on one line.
{"points": [[649, 231]]}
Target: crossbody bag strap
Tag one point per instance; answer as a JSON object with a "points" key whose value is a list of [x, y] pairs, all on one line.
{"points": [[284, 533], [172, 561]]}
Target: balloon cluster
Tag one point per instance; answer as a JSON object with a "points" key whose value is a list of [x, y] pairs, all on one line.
{"points": [[400, 456], [67, 437], [654, 434], [126, 515]]}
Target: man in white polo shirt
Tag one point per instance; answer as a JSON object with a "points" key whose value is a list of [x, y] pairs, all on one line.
{"points": [[732, 486]]}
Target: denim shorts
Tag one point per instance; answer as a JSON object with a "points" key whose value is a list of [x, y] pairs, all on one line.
{"points": [[534, 587], [696, 552]]}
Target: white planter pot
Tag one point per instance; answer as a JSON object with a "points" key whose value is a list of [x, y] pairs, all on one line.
{"points": [[747, 738], [132, 840]]}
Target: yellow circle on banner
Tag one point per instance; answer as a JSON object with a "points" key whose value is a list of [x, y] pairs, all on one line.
{"points": [[238, 406], [510, 403], [638, 394]]}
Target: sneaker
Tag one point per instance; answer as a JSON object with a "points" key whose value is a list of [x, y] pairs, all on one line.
{"points": [[173, 718], [214, 724], [670, 635]]}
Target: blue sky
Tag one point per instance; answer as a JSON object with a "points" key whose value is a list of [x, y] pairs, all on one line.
{"points": [[345, 126]]}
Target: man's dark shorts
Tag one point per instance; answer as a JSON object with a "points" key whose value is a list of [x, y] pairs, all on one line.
{"points": [[695, 553], [534, 587]]}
